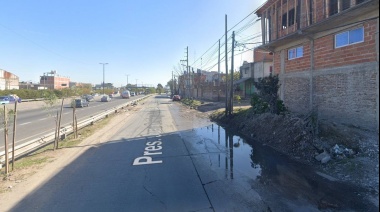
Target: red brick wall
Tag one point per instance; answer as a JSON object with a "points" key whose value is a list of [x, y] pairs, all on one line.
{"points": [[277, 63], [260, 55], [327, 56], [298, 64]]}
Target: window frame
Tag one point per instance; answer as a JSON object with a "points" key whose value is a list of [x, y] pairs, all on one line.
{"points": [[295, 51], [348, 39]]}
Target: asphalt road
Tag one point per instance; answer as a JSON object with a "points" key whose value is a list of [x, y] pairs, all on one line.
{"points": [[162, 157], [35, 120], [147, 165]]}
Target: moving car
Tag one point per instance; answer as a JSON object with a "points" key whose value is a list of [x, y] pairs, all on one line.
{"points": [[133, 94], [176, 98], [9, 99], [4, 100], [105, 98], [89, 98], [79, 103], [125, 94]]}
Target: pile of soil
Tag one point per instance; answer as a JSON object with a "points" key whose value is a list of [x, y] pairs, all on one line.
{"points": [[302, 140]]}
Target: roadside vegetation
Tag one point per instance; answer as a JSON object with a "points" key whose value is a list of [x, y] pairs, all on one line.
{"points": [[192, 103]]}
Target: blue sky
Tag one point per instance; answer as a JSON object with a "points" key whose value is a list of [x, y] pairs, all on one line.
{"points": [[144, 39]]}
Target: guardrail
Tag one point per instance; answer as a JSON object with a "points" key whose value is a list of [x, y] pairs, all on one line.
{"points": [[34, 144], [32, 100]]}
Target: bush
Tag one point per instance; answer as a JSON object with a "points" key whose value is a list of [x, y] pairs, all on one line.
{"points": [[258, 104], [237, 98]]}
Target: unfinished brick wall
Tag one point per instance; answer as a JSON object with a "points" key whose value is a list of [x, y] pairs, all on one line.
{"points": [[347, 95], [299, 64], [327, 56]]}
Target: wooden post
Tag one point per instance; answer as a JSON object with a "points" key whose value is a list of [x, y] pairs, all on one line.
{"points": [[6, 141], [56, 132], [74, 129], [14, 136], [59, 123], [287, 17]]}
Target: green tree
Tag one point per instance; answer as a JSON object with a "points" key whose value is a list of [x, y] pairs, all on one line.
{"points": [[268, 92], [160, 88]]}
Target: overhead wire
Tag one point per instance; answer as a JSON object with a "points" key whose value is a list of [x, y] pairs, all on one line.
{"points": [[212, 54]]}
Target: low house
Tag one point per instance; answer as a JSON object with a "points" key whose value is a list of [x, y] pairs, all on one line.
{"points": [[251, 72]]}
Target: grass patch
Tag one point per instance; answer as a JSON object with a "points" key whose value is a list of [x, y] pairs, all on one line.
{"points": [[191, 102]]}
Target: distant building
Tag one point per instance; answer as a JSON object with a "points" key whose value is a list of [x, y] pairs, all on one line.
{"points": [[52, 80], [27, 85], [251, 72], [106, 86], [80, 85], [8, 81]]}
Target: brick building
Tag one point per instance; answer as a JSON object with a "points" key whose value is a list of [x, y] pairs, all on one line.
{"points": [[327, 57], [8, 80], [52, 80]]}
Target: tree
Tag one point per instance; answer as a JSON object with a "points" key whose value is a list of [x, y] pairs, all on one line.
{"points": [[268, 92], [159, 88], [236, 76]]}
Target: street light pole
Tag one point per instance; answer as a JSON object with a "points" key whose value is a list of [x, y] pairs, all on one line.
{"points": [[127, 80], [103, 74]]}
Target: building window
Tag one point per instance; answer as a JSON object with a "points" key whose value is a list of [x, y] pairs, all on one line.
{"points": [[295, 53], [291, 17], [284, 20], [349, 37]]}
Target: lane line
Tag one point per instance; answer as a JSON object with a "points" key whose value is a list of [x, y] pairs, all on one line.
{"points": [[25, 123]]}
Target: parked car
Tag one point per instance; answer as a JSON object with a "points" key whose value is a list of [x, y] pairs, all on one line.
{"points": [[80, 103], [176, 98], [105, 98]]}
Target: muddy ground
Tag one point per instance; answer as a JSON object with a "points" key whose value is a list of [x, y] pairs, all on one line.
{"points": [[354, 153]]}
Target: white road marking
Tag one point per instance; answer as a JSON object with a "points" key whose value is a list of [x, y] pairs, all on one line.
{"points": [[25, 123]]}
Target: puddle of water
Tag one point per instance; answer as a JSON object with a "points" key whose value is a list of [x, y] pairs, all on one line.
{"points": [[280, 177]]}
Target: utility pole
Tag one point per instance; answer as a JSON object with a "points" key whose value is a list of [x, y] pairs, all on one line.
{"points": [[188, 68], [218, 67], [172, 88], [187, 78], [103, 74], [127, 80], [226, 58], [232, 74]]}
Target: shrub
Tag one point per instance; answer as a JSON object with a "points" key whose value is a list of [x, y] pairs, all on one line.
{"points": [[258, 104]]}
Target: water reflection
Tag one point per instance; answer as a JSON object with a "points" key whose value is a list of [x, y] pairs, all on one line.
{"points": [[282, 178], [235, 152]]}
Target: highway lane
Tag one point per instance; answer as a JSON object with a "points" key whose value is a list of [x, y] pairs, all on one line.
{"points": [[37, 122]]}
